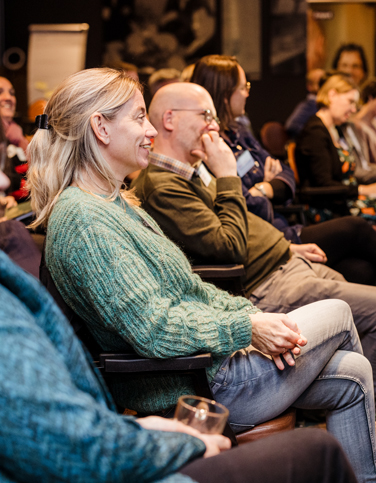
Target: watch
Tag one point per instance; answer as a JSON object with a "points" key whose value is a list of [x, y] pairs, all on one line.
{"points": [[260, 187]]}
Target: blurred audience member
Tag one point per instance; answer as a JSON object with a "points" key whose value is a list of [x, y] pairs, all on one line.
{"points": [[307, 108], [13, 131], [351, 59], [365, 119], [323, 159], [5, 201], [15, 166], [162, 77]]}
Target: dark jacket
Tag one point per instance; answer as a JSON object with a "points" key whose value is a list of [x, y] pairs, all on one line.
{"points": [[317, 158]]}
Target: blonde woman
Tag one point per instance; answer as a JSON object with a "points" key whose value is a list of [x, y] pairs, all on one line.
{"points": [[133, 287], [322, 158]]}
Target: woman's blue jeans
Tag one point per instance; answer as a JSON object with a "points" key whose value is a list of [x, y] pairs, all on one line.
{"points": [[330, 373]]}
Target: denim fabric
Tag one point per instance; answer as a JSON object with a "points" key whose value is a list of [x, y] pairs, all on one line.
{"points": [[300, 282], [329, 374]]}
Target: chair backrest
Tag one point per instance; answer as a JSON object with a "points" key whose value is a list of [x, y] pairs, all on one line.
{"points": [[292, 162], [274, 138], [79, 326]]}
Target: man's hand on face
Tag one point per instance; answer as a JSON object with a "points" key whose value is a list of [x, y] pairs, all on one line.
{"points": [[217, 155]]}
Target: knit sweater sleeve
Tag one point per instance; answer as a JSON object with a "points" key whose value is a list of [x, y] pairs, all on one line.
{"points": [[124, 279]]}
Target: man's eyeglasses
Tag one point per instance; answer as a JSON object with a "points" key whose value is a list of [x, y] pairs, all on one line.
{"points": [[208, 115]]}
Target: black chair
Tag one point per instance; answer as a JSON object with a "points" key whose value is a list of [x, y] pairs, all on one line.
{"points": [[226, 277], [321, 195]]}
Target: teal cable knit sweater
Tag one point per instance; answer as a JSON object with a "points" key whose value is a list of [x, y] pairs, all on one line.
{"points": [[134, 287]]}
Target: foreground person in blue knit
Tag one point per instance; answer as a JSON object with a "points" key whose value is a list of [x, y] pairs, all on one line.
{"points": [[58, 423], [134, 287]]}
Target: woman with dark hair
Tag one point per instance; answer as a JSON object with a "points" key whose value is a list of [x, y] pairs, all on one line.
{"points": [[349, 242], [264, 178], [351, 59]]}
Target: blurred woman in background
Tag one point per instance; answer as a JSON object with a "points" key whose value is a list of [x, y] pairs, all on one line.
{"points": [[322, 157], [15, 166]]}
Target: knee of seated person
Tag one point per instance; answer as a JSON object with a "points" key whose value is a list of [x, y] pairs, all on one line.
{"points": [[342, 308], [355, 367], [358, 224], [335, 309]]}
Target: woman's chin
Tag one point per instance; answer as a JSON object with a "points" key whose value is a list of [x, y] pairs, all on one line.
{"points": [[143, 163]]}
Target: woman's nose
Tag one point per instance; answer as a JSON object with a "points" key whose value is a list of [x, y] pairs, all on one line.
{"points": [[151, 132], [5, 95]]}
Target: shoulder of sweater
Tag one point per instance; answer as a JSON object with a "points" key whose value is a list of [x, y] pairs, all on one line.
{"points": [[77, 210], [77, 202]]}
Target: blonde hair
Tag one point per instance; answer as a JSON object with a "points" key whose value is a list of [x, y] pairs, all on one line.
{"points": [[60, 155], [340, 83]]}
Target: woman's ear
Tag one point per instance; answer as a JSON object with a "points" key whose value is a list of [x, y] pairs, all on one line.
{"points": [[100, 127], [332, 93]]}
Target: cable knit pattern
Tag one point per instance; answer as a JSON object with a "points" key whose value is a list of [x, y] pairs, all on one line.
{"points": [[134, 287]]}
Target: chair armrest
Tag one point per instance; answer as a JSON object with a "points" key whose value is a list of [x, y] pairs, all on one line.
{"points": [[297, 209], [128, 363], [324, 190], [224, 272], [119, 365], [293, 208], [26, 217]]}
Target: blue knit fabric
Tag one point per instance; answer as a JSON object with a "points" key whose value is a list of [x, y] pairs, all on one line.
{"points": [[133, 286], [55, 416]]}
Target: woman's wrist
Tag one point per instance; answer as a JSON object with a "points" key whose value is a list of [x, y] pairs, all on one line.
{"points": [[265, 189]]}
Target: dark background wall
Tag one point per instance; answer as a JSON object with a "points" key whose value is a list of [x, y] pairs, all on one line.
{"points": [[274, 96], [271, 98], [19, 14]]}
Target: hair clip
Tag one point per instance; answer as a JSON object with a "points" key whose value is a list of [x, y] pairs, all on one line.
{"points": [[41, 121]]}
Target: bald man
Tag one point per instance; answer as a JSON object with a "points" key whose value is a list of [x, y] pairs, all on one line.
{"points": [[201, 207]]}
